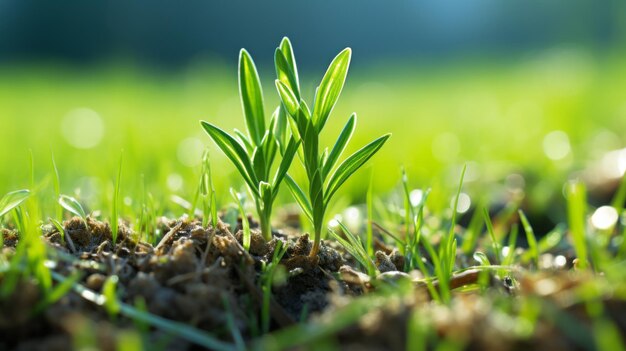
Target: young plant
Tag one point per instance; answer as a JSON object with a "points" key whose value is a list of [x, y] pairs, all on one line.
{"points": [[353, 244], [245, 225], [267, 280], [254, 154], [325, 175], [72, 205], [9, 202], [206, 194], [12, 200]]}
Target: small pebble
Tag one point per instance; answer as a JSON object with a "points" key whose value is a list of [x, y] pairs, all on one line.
{"points": [[95, 281]]}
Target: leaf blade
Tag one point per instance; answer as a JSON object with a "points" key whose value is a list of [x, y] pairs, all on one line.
{"points": [[12, 200], [330, 87], [235, 152], [340, 145], [299, 196], [251, 97], [352, 164]]}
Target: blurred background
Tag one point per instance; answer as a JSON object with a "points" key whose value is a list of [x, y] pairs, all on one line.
{"points": [[527, 94]]}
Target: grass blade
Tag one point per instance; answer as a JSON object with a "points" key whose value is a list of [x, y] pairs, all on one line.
{"points": [[530, 237], [251, 97], [57, 187], [244, 219], [369, 203], [116, 201], [176, 328], [576, 203], [494, 242]]}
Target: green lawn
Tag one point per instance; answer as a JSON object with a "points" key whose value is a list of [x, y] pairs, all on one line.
{"points": [[492, 115]]}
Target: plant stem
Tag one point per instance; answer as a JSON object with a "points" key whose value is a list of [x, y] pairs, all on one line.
{"points": [[266, 225], [316, 242]]}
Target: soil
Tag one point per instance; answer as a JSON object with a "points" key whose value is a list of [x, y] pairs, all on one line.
{"points": [[192, 270]]}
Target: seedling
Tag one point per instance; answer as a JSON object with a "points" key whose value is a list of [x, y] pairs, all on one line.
{"points": [[254, 154], [267, 280], [12, 200], [355, 247], [325, 175], [73, 206], [244, 220], [9, 202], [206, 194]]}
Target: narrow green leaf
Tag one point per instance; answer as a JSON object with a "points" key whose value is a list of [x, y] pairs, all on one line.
{"points": [[288, 98], [510, 256], [287, 51], [235, 152], [244, 141], [12, 200], [251, 97], [109, 291], [57, 186], [300, 197], [116, 196], [58, 292], [265, 189], [184, 331], [73, 206], [280, 129], [340, 145], [57, 224], [285, 163], [285, 73], [482, 258], [310, 145], [270, 147], [352, 164], [244, 219], [530, 237], [330, 87], [576, 212], [355, 247], [259, 163], [494, 242]]}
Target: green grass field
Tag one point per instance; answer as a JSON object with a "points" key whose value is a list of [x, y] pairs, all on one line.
{"points": [[491, 115], [502, 146]]}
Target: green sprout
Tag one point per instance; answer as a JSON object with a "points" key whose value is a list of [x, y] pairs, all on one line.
{"points": [[325, 175], [254, 154], [12, 200], [72, 205]]}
